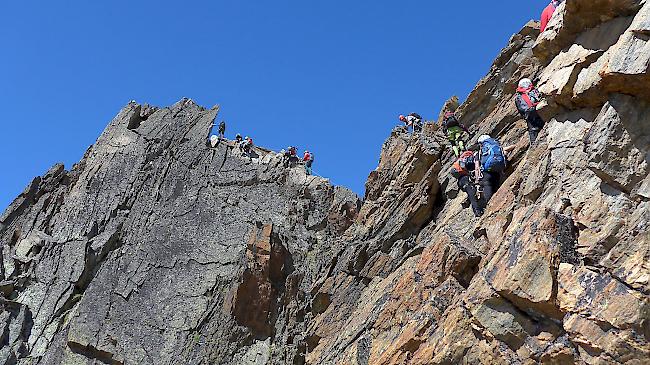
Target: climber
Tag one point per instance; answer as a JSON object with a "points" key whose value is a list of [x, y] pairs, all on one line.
{"points": [[527, 99], [489, 167], [238, 139], [547, 14], [412, 121], [246, 145], [454, 131], [308, 159], [290, 156], [461, 170], [222, 129]]}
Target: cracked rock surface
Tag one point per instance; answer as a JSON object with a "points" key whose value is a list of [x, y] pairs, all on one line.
{"points": [[139, 255]]}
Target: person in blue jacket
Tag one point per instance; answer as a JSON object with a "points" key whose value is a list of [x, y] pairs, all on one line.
{"points": [[491, 165]]}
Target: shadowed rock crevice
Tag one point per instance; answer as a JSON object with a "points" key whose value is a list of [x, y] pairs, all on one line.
{"points": [[93, 354]]}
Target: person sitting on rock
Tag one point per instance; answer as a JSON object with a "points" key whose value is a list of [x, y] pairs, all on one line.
{"points": [[527, 99], [454, 130], [489, 167], [547, 14], [308, 159], [412, 121], [462, 170], [246, 146], [238, 140]]}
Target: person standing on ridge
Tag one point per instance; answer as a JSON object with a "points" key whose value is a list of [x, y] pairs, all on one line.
{"points": [[412, 121], [489, 167], [462, 170], [527, 99], [454, 131], [222, 129], [547, 14], [238, 141], [308, 159]]}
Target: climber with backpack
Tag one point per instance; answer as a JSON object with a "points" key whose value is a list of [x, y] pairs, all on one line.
{"points": [[527, 99], [454, 130], [547, 14], [412, 121], [308, 159], [492, 164], [462, 170]]}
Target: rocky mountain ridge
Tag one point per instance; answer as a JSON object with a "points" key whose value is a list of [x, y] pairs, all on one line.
{"points": [[157, 249]]}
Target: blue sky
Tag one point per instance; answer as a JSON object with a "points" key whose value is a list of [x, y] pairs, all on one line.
{"points": [[329, 76]]}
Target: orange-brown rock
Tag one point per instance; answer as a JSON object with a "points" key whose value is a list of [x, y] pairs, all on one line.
{"points": [[557, 270]]}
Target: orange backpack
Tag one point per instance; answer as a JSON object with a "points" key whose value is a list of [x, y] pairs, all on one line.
{"points": [[460, 166]]}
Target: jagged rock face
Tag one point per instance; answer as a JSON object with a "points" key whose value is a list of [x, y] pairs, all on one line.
{"points": [[557, 271], [156, 249]]}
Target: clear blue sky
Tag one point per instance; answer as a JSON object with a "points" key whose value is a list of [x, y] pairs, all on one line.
{"points": [[330, 76]]}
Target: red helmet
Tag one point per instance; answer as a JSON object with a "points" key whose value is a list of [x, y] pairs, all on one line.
{"points": [[402, 117]]}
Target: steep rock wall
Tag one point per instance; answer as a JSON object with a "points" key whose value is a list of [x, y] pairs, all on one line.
{"points": [[557, 270]]}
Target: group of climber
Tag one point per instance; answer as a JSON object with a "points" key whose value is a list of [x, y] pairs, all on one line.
{"points": [[245, 147], [479, 173], [290, 159]]}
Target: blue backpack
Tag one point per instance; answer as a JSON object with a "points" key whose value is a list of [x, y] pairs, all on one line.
{"points": [[492, 157]]}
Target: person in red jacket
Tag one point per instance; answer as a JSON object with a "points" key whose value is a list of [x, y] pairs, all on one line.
{"points": [[526, 100], [308, 159], [547, 14]]}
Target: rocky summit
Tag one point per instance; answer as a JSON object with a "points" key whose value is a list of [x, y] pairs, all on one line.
{"points": [[158, 248]]}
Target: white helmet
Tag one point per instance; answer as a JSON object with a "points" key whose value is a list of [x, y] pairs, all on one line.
{"points": [[483, 138], [525, 83]]}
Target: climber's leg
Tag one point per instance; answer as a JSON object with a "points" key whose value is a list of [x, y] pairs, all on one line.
{"points": [[466, 185]]}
